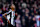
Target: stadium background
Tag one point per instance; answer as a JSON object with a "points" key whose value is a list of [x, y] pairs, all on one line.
{"points": [[24, 16]]}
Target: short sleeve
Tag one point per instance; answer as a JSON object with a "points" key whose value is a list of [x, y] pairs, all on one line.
{"points": [[7, 12]]}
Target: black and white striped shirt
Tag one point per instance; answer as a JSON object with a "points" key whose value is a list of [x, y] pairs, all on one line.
{"points": [[10, 16]]}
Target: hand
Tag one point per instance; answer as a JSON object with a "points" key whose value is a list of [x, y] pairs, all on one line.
{"points": [[3, 24], [5, 14], [9, 22], [33, 19]]}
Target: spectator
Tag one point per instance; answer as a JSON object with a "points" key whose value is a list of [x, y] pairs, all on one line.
{"points": [[23, 21], [18, 22], [26, 10], [37, 20]]}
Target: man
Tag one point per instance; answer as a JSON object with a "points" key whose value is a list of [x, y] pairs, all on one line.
{"points": [[38, 20], [2, 24], [12, 11]]}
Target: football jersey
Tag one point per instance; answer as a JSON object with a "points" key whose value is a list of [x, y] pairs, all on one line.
{"points": [[10, 16]]}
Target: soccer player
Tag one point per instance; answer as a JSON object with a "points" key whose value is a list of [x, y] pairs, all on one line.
{"points": [[12, 15]]}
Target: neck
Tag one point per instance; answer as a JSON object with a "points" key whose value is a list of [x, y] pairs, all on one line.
{"points": [[13, 10]]}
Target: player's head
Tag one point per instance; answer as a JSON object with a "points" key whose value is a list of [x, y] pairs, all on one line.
{"points": [[12, 7]]}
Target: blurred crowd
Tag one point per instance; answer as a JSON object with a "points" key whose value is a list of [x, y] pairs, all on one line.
{"points": [[25, 17]]}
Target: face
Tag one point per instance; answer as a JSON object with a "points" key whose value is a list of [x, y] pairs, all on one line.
{"points": [[31, 8], [27, 11], [29, 17], [39, 6], [26, 15], [21, 1], [12, 7], [18, 4], [28, 5], [23, 17], [19, 7], [0, 11], [27, 0], [32, 13], [35, 2], [39, 9], [23, 10]]}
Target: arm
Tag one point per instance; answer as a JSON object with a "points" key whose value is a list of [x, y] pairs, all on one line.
{"points": [[6, 19], [4, 15], [7, 13]]}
